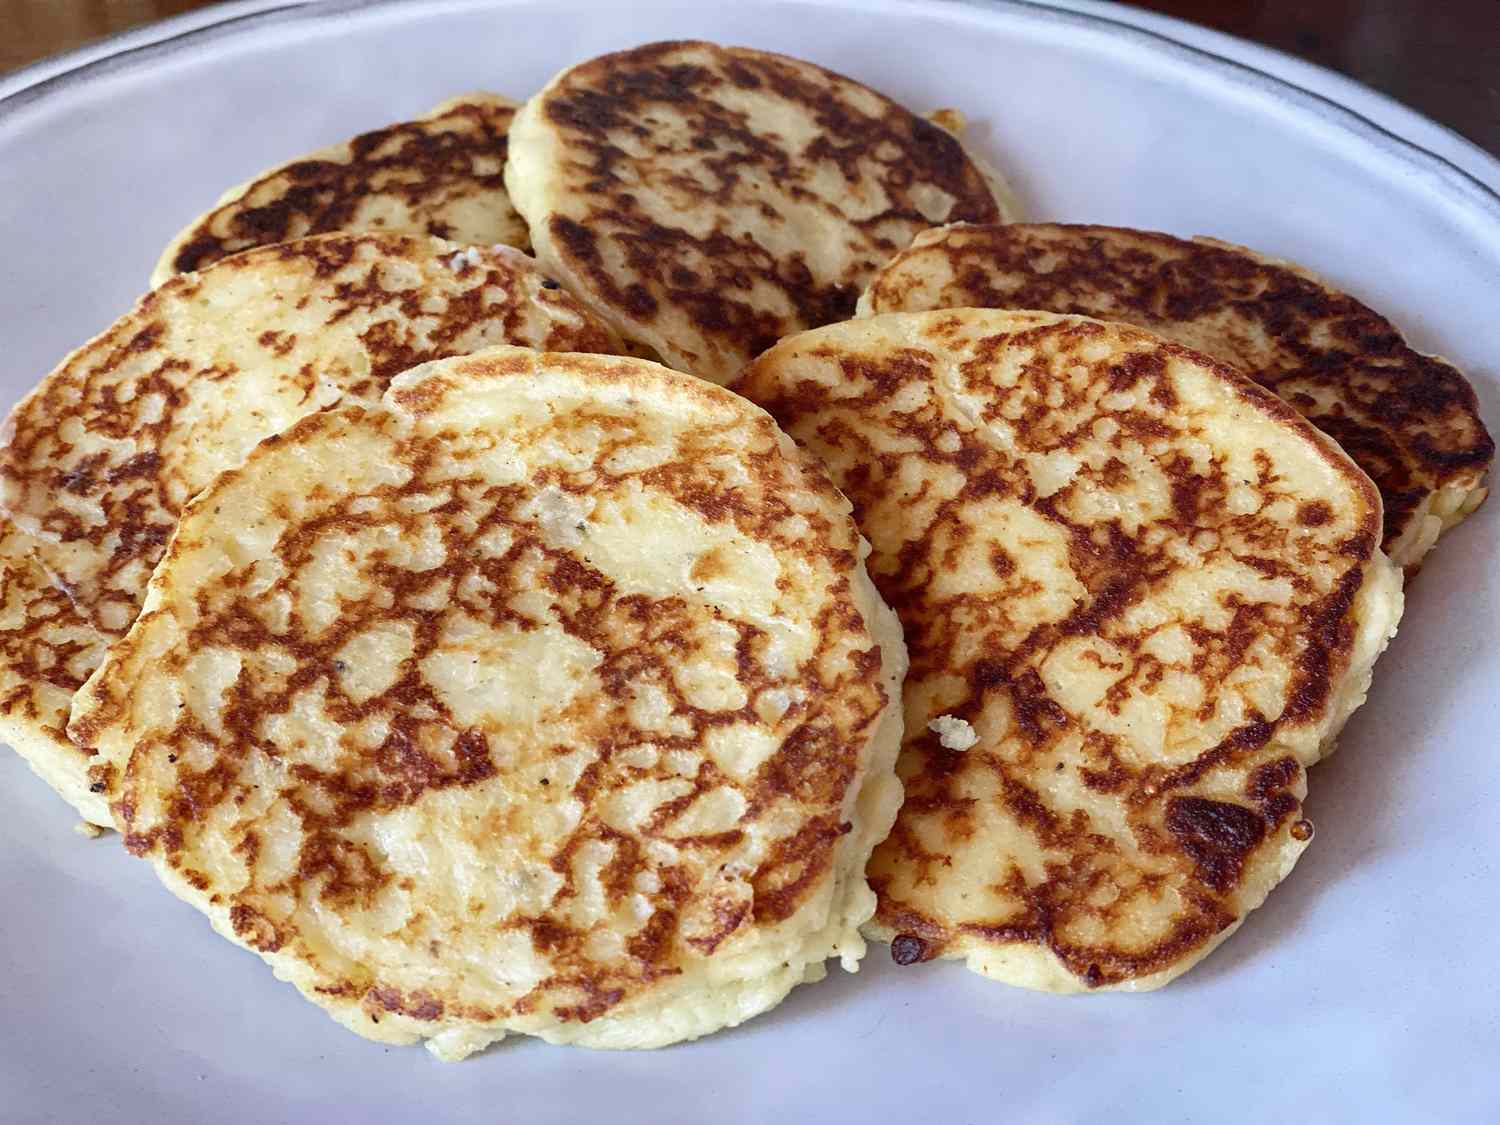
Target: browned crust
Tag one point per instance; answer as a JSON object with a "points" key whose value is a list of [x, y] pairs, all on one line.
{"points": [[610, 102], [1199, 842], [456, 152], [1409, 420], [641, 639]]}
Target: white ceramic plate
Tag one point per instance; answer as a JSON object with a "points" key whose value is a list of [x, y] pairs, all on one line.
{"points": [[1362, 992]]}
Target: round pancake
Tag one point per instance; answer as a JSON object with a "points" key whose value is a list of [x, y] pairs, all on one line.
{"points": [[100, 458], [551, 696], [1409, 420], [708, 200], [1141, 596], [441, 175]]}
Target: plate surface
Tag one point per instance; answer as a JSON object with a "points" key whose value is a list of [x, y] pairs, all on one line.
{"points": [[1361, 992]]}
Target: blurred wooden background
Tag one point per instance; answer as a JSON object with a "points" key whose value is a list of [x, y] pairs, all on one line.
{"points": [[33, 29], [1439, 56]]}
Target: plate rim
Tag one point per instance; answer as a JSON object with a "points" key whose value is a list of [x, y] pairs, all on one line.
{"points": [[135, 49], [1348, 92]]}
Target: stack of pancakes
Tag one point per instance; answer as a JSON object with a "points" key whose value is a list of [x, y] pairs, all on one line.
{"points": [[453, 575]]}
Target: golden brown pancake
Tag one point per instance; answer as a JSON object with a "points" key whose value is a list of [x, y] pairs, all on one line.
{"points": [[100, 458], [442, 175], [549, 695], [708, 200], [1409, 420], [1141, 596]]}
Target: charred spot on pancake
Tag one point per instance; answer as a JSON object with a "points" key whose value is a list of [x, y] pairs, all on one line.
{"points": [[908, 949], [1217, 835], [1314, 513]]}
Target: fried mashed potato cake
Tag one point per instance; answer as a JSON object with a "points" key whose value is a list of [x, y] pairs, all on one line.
{"points": [[708, 200], [550, 696], [99, 459], [1410, 421], [440, 175], [1141, 596]]}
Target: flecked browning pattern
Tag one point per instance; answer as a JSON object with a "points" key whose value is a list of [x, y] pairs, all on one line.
{"points": [[552, 697], [1410, 421], [709, 200], [440, 175], [47, 650], [100, 459], [1140, 595]]}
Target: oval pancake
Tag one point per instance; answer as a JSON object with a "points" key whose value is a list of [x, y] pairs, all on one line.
{"points": [[549, 696], [708, 200], [440, 175], [1141, 596], [99, 459], [1410, 421]]}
